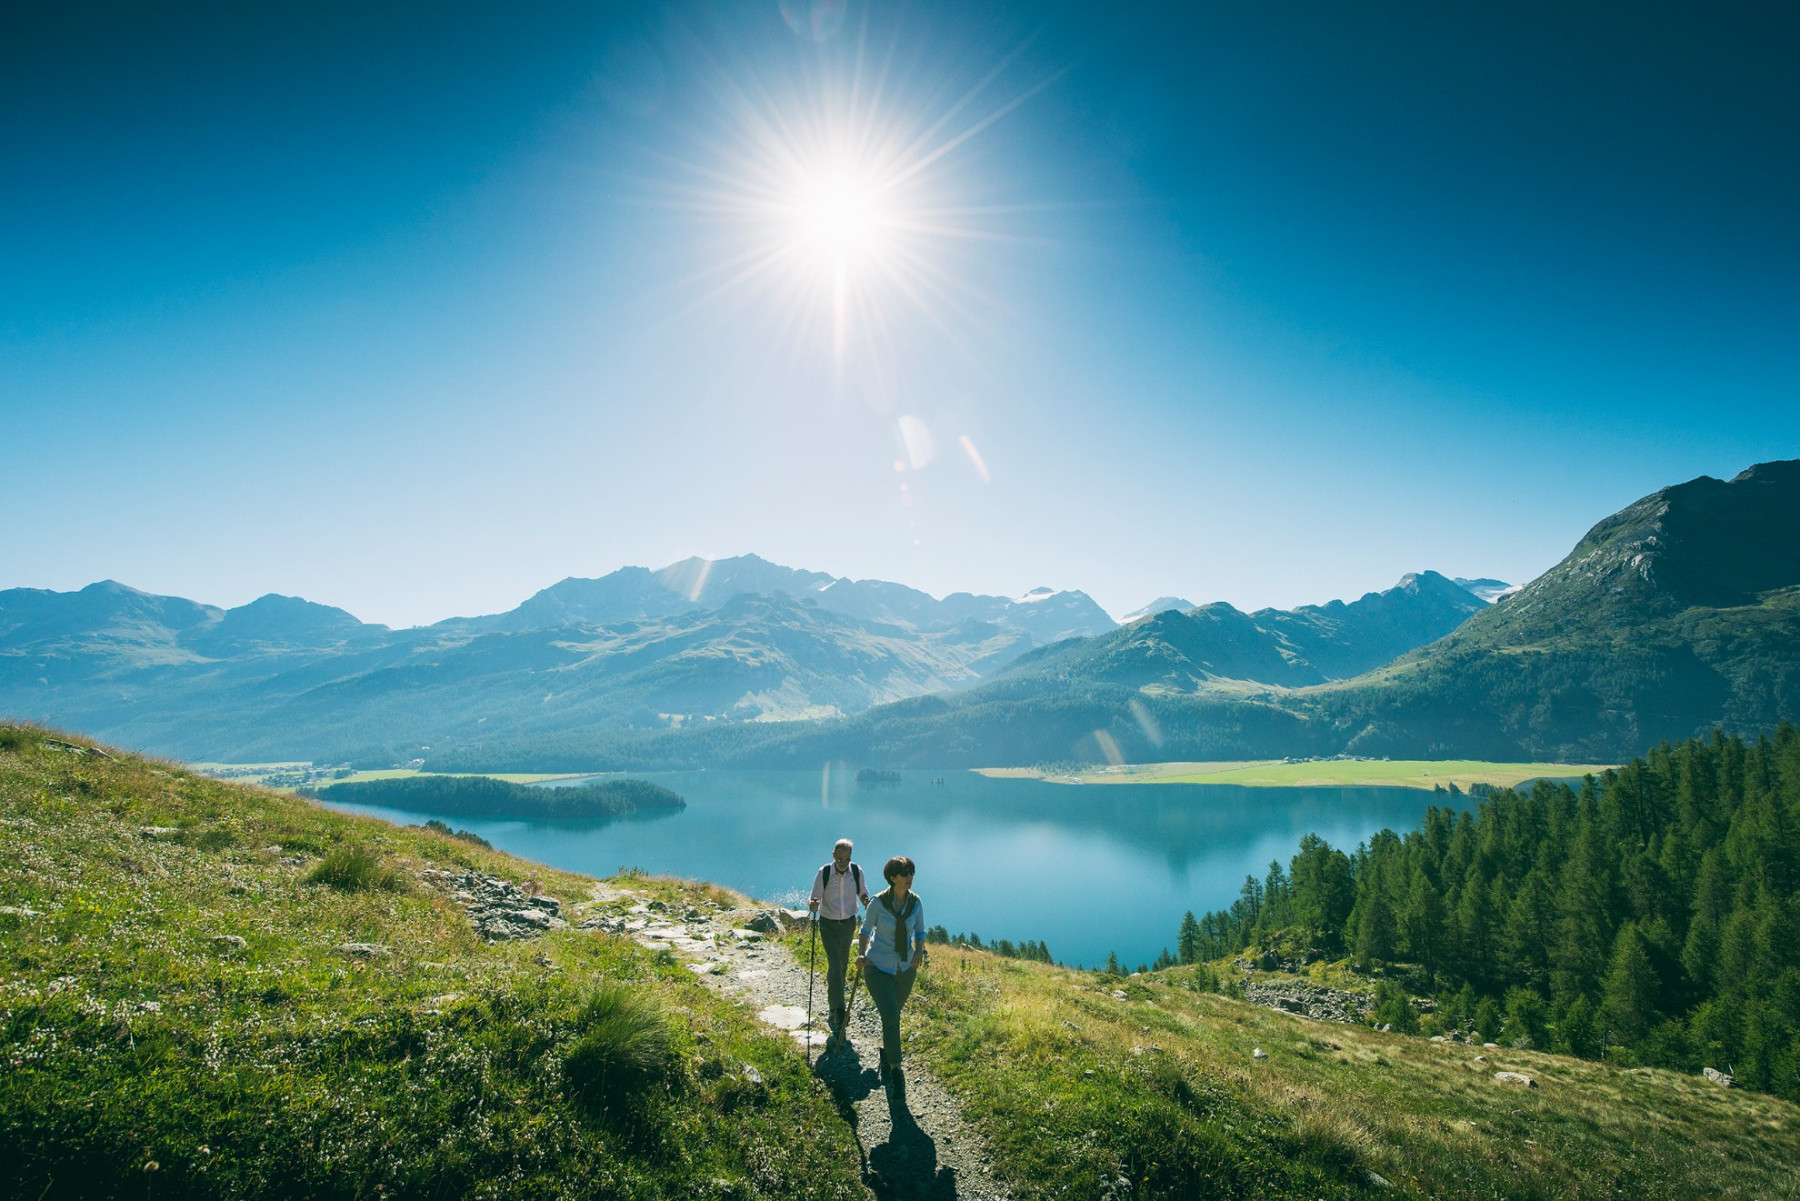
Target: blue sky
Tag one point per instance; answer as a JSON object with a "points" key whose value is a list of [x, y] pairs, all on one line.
{"points": [[415, 309]]}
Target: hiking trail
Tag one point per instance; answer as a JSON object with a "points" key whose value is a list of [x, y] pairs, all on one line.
{"points": [[919, 1149]]}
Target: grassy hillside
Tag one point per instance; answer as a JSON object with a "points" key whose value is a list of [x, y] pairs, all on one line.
{"points": [[148, 1052], [1079, 1087]]}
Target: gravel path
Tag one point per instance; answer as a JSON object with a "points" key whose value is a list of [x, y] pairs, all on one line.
{"points": [[918, 1148]]}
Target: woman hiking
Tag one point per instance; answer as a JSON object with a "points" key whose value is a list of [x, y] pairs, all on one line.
{"points": [[890, 947]]}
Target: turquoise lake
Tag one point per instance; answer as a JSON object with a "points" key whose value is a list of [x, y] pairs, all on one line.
{"points": [[1087, 869]]}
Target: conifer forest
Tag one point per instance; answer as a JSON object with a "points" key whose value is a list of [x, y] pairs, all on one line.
{"points": [[1647, 916]]}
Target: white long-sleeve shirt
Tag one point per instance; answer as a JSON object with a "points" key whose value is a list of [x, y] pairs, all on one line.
{"points": [[837, 893]]}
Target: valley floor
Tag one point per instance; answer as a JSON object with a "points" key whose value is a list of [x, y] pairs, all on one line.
{"points": [[1315, 773]]}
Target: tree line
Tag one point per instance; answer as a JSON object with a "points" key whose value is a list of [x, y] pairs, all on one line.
{"points": [[1647, 916], [1004, 947], [483, 796]]}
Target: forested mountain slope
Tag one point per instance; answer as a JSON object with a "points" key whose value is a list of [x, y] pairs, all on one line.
{"points": [[1648, 916]]}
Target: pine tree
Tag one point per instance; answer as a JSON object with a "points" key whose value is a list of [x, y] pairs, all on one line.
{"points": [[1323, 892], [1187, 943], [1488, 1020], [1527, 1019], [1422, 921], [1628, 1003], [1522, 947], [1575, 1033]]}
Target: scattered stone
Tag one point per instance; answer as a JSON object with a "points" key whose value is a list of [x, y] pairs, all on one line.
{"points": [[1481, 1059], [752, 1076], [783, 1017], [499, 910], [272, 850], [231, 942], [158, 831], [1518, 1078], [1309, 1000], [1378, 1180], [1118, 994], [1438, 1038], [1718, 1077], [605, 924], [25, 911], [765, 922], [363, 950], [1491, 1046], [1259, 1053]]}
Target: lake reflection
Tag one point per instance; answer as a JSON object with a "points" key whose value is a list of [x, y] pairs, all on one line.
{"points": [[1087, 869]]}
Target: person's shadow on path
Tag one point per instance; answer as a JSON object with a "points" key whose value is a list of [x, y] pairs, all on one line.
{"points": [[906, 1164], [843, 1072]]}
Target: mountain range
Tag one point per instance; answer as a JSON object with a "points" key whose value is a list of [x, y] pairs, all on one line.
{"points": [[1676, 616], [626, 656]]}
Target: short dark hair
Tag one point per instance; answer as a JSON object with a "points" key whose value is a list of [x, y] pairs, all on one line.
{"points": [[899, 865]]}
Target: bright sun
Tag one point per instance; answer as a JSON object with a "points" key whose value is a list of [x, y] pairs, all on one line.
{"points": [[839, 214], [848, 210]]}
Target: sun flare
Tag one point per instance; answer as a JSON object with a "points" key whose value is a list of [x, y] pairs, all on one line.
{"points": [[845, 206]]}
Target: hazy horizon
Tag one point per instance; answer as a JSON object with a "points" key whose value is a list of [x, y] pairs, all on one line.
{"points": [[1118, 615]]}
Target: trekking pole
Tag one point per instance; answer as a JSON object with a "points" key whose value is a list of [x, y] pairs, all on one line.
{"points": [[850, 1005], [812, 959]]}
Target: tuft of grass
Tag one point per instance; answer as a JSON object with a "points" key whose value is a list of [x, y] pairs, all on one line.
{"points": [[15, 739], [624, 1048], [357, 869]]}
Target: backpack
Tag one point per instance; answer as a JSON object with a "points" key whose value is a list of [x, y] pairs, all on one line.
{"points": [[855, 872]]}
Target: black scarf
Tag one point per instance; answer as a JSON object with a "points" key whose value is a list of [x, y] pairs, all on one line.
{"points": [[902, 935]]}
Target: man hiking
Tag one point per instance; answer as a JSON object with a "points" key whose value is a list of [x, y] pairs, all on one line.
{"points": [[837, 889]]}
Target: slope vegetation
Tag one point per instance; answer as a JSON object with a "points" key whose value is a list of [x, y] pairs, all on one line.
{"points": [[191, 1013], [197, 1003]]}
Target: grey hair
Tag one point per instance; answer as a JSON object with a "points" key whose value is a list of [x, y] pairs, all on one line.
{"points": [[843, 842]]}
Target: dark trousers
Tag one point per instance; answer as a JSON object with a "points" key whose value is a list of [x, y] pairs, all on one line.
{"points": [[889, 992], [836, 934]]}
